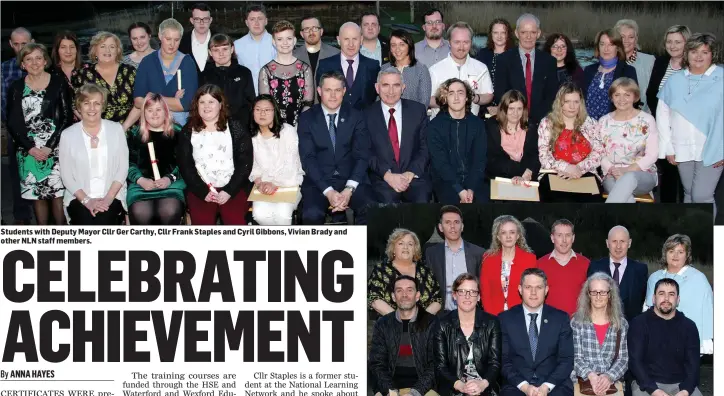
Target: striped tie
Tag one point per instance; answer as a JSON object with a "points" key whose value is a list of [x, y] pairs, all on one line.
{"points": [[533, 333]]}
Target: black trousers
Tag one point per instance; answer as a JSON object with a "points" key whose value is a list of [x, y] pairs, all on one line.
{"points": [[80, 215]]}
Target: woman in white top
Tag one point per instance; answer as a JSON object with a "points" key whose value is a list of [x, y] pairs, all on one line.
{"points": [[276, 161], [215, 156], [93, 156]]}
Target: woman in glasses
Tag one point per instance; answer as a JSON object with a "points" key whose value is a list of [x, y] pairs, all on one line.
{"points": [[468, 345], [599, 338]]}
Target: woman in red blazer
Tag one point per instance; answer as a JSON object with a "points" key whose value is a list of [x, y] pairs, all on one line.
{"points": [[503, 264]]}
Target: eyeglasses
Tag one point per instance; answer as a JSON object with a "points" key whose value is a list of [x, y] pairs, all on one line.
{"points": [[594, 293], [559, 47], [314, 29], [468, 293], [433, 23], [204, 20], [263, 111]]}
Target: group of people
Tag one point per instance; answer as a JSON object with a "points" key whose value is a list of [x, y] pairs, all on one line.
{"points": [[462, 320], [377, 120]]}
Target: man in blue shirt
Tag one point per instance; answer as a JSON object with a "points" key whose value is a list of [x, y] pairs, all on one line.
{"points": [[255, 49], [11, 71]]}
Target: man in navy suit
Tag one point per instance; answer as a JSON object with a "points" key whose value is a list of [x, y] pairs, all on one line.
{"points": [[528, 70], [399, 157], [537, 343], [360, 72], [334, 147]]}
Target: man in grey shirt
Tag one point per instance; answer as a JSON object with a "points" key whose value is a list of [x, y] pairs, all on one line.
{"points": [[453, 257], [433, 47]]}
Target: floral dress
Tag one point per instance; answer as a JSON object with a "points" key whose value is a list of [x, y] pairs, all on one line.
{"points": [[384, 273], [120, 94], [628, 142], [38, 180], [292, 86]]}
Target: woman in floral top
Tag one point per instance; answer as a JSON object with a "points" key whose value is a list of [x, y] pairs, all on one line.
{"points": [[286, 78], [630, 145], [403, 258], [569, 144]]}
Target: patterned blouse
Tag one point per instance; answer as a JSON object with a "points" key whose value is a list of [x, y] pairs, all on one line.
{"points": [[598, 103], [635, 141], [120, 94], [590, 356], [585, 151], [291, 85], [418, 86], [384, 273]]}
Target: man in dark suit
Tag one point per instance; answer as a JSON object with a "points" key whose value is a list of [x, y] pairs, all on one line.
{"points": [[453, 257], [334, 147], [313, 50], [195, 42], [537, 343], [359, 71], [399, 157], [528, 70]]}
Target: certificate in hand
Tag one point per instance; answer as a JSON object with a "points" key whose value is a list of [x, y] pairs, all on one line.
{"points": [[282, 195], [584, 185], [504, 189]]}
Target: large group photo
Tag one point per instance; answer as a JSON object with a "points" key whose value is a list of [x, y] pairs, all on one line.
{"points": [[538, 299], [170, 113]]}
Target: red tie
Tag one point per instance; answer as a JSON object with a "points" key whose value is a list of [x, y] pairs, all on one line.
{"points": [[528, 79], [392, 128]]}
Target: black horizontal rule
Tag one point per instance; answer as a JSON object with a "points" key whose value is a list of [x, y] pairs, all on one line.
{"points": [[162, 282]]}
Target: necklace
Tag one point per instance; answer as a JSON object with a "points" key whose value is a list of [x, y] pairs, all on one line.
{"points": [[697, 83], [94, 139]]}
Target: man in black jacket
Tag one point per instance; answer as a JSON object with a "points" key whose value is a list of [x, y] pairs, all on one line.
{"points": [[401, 355]]}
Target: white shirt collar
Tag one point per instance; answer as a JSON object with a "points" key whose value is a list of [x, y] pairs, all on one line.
{"points": [[623, 261], [345, 58], [706, 73], [397, 107], [528, 311], [206, 40], [554, 255]]}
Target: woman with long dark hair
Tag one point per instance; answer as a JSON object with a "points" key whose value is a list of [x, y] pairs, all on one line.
{"points": [[65, 54], [276, 161], [561, 48], [415, 75]]}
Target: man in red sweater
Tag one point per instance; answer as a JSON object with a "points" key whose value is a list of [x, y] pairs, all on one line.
{"points": [[566, 270]]}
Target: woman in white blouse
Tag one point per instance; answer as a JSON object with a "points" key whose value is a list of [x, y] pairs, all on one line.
{"points": [[276, 161], [93, 156], [215, 156]]}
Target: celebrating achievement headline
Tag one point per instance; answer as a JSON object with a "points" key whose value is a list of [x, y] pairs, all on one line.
{"points": [[214, 312]]}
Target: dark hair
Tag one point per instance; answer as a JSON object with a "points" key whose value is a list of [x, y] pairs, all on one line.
{"points": [[195, 121], [254, 8], [276, 125], [534, 271], [200, 7], [465, 276], [442, 91], [404, 277], [564, 222], [450, 209], [509, 97], [333, 74], [308, 17], [615, 38], [407, 38], [65, 35], [666, 281], [142, 25], [369, 13], [509, 43], [570, 62], [221, 39], [432, 11]]}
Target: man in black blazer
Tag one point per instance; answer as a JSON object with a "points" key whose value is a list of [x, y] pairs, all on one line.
{"points": [[359, 71], [453, 257], [537, 343], [195, 42], [334, 147], [512, 66], [631, 275], [399, 157]]}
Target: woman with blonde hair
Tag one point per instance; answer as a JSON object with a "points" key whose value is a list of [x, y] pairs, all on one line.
{"points": [[503, 264], [599, 338], [403, 256], [569, 143], [155, 189], [107, 71]]}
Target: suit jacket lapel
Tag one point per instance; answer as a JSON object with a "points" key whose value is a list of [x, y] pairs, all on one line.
{"points": [[544, 334], [469, 258], [518, 69], [538, 72], [440, 258], [383, 132], [520, 324], [324, 127], [343, 132], [407, 141], [624, 286]]}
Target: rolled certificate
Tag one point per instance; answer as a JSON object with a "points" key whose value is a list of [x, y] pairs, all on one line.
{"points": [[178, 79], [202, 175], [154, 161]]}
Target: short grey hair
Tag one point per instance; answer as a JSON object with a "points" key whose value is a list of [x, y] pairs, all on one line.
{"points": [[527, 16], [350, 24], [22, 30], [694, 42], [389, 70], [170, 23], [461, 25], [627, 23]]}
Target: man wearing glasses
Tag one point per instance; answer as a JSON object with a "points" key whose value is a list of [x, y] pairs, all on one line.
{"points": [[433, 47], [196, 41], [313, 49]]}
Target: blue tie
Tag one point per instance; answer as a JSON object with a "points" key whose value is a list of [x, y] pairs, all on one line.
{"points": [[533, 333], [332, 130]]}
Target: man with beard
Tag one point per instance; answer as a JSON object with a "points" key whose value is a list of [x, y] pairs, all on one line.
{"points": [[433, 48], [663, 347], [401, 355], [313, 49]]}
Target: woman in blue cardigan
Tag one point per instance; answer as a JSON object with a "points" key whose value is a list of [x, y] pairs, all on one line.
{"points": [[598, 77], [160, 72]]}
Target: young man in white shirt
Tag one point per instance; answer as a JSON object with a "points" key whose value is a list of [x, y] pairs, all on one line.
{"points": [[196, 41]]}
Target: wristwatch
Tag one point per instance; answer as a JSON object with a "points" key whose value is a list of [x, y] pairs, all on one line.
{"points": [[350, 188], [85, 200]]}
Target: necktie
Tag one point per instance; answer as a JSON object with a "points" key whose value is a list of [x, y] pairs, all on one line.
{"points": [[332, 130], [392, 129], [616, 274], [528, 78], [533, 333], [350, 73]]}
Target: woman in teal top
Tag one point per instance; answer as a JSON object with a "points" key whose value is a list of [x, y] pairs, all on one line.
{"points": [[695, 292], [155, 196]]}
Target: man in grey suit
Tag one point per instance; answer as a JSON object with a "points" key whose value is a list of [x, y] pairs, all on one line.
{"points": [[453, 257], [313, 49]]}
